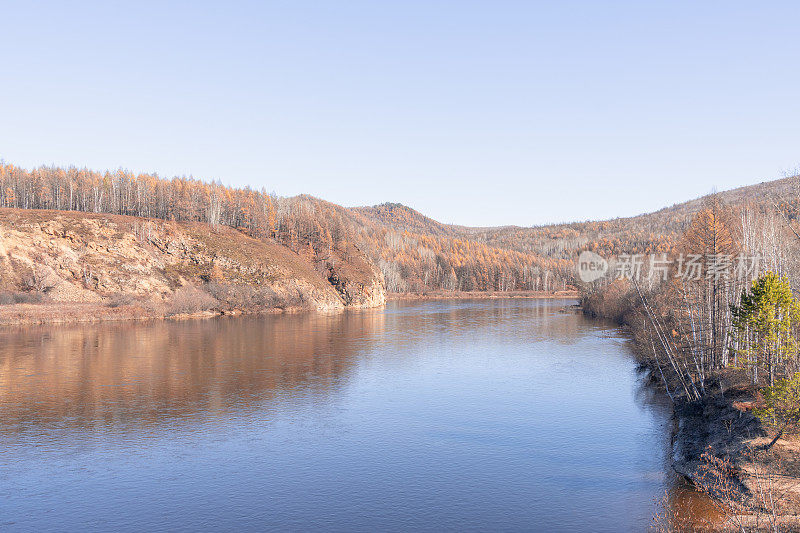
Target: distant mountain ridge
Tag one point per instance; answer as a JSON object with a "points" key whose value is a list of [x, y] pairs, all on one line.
{"points": [[781, 195]]}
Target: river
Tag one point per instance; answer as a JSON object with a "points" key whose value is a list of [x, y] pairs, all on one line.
{"points": [[472, 415]]}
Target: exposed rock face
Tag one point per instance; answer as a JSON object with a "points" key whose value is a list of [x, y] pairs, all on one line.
{"points": [[79, 257], [357, 294], [372, 295], [358, 282]]}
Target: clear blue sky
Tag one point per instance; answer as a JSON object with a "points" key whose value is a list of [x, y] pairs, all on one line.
{"points": [[479, 113]]}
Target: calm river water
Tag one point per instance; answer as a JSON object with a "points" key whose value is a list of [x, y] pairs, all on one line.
{"points": [[493, 415]]}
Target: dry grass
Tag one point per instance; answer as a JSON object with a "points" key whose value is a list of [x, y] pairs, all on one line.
{"points": [[64, 313]]}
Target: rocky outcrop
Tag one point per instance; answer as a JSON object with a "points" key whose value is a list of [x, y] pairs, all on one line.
{"points": [[357, 281], [95, 258]]}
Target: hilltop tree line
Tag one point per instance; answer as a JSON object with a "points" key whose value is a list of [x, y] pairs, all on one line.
{"points": [[141, 195]]}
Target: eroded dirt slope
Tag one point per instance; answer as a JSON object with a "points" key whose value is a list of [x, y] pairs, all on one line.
{"points": [[108, 259]]}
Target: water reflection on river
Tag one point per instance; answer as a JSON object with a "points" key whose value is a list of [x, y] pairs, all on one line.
{"points": [[449, 415]]}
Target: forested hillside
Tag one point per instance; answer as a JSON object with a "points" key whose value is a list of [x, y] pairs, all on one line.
{"points": [[774, 206], [414, 253], [717, 322]]}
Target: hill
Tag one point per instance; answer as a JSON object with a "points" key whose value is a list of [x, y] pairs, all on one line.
{"points": [[403, 218], [410, 252], [645, 233], [416, 243], [141, 267]]}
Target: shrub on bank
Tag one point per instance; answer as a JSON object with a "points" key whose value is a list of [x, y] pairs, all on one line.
{"points": [[11, 297], [189, 300], [240, 296]]}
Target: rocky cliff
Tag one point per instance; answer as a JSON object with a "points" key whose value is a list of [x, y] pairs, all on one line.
{"points": [[167, 268]]}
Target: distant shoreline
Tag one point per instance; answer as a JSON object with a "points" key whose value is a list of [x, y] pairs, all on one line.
{"points": [[57, 313], [479, 295]]}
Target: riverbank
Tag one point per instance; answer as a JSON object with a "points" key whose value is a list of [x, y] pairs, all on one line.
{"points": [[754, 486], [745, 479]]}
